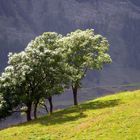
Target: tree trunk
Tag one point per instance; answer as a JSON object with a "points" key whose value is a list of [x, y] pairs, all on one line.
{"points": [[51, 104], [35, 109], [46, 108], [28, 112], [74, 89]]}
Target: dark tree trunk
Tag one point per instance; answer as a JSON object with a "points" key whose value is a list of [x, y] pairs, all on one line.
{"points": [[51, 104], [28, 112], [35, 109], [46, 108], [74, 90]]}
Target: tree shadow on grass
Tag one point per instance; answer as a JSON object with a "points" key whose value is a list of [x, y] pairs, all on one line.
{"points": [[100, 104], [74, 113], [92, 105]]}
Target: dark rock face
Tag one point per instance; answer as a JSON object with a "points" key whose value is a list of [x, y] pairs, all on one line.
{"points": [[119, 21]]}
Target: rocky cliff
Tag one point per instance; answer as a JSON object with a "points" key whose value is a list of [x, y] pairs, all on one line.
{"points": [[118, 20]]}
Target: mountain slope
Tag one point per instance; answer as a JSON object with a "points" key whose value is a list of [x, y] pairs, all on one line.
{"points": [[21, 21], [111, 117]]}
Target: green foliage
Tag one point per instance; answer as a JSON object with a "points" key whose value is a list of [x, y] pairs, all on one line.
{"points": [[50, 63], [84, 50], [47, 64], [4, 109], [36, 73], [9, 98]]}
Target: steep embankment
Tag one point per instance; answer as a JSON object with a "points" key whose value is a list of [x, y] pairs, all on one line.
{"points": [[108, 118], [21, 21]]}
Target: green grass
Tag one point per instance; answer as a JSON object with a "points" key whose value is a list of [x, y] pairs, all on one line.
{"points": [[114, 117]]}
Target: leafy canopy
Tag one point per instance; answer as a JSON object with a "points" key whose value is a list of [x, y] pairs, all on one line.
{"points": [[84, 50]]}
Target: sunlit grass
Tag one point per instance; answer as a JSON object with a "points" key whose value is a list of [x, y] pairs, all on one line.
{"points": [[114, 117]]}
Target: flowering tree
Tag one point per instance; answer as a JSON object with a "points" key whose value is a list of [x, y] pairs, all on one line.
{"points": [[84, 50], [46, 57], [49, 63], [38, 72], [8, 98]]}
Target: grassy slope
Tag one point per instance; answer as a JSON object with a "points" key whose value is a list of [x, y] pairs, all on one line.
{"points": [[109, 118]]}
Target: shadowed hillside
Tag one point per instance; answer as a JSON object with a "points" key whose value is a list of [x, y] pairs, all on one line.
{"points": [[21, 21]]}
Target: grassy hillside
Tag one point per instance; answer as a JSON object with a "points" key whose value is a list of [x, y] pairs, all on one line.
{"points": [[115, 117]]}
